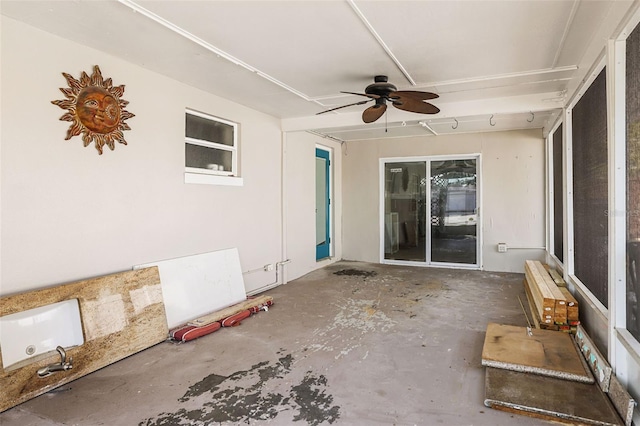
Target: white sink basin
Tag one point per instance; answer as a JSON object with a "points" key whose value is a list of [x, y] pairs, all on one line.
{"points": [[27, 334]]}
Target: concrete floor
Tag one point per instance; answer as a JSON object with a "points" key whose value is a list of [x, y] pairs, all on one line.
{"points": [[350, 344]]}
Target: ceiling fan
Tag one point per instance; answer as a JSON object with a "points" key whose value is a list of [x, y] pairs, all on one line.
{"points": [[381, 91]]}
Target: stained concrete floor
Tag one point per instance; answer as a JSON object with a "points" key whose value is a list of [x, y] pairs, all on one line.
{"points": [[350, 344]]}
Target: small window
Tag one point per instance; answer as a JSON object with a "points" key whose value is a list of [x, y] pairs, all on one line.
{"points": [[211, 148]]}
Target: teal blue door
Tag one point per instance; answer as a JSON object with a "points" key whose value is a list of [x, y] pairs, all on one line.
{"points": [[323, 228]]}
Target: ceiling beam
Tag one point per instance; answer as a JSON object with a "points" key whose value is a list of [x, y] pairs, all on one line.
{"points": [[505, 105], [381, 42]]}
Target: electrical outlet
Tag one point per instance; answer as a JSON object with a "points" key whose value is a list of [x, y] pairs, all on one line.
{"points": [[268, 267], [502, 247]]}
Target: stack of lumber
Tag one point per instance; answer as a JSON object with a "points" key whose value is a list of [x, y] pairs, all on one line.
{"points": [[552, 305]]}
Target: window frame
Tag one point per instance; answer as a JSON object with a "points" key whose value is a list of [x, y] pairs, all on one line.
{"points": [[578, 271], [213, 177]]}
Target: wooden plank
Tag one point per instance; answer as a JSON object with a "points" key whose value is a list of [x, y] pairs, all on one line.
{"points": [[534, 315], [540, 298], [552, 327], [545, 313], [544, 308], [548, 398], [547, 323], [545, 291], [121, 314], [557, 278], [532, 266], [573, 312], [543, 352], [543, 297], [231, 310], [560, 311]]}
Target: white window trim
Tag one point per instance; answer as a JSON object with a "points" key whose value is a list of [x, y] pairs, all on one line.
{"points": [[214, 177], [207, 179], [550, 173], [569, 252]]}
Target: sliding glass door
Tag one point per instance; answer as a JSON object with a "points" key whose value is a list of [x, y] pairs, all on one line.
{"points": [[430, 211], [454, 213], [404, 211]]}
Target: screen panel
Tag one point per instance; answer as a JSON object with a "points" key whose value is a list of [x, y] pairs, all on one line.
{"points": [[590, 189], [633, 182], [558, 208]]}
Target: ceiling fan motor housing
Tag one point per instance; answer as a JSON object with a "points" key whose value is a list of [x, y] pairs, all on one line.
{"points": [[380, 87], [382, 91]]}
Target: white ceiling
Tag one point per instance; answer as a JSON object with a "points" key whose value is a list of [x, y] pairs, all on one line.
{"points": [[496, 65]]}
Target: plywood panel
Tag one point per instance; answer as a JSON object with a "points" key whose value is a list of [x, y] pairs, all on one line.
{"points": [[197, 285], [548, 398], [121, 314], [543, 352]]}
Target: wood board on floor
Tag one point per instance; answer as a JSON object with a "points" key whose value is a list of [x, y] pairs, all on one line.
{"points": [[548, 398], [545, 352], [121, 314], [197, 285], [262, 300]]}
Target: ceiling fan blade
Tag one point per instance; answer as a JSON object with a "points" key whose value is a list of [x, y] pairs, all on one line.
{"points": [[374, 112], [414, 105], [363, 94], [344, 106], [413, 94]]}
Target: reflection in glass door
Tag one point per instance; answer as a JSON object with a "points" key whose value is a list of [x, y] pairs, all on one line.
{"points": [[454, 218], [404, 211]]}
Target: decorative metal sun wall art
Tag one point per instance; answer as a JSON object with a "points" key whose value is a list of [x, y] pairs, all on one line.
{"points": [[95, 109]]}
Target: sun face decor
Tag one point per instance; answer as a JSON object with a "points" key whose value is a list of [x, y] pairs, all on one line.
{"points": [[96, 110]]}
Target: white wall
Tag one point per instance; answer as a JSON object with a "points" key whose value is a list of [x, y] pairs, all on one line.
{"points": [[512, 192], [69, 213], [300, 175]]}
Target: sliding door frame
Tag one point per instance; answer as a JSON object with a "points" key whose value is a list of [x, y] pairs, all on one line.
{"points": [[427, 160]]}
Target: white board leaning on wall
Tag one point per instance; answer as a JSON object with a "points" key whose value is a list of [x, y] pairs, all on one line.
{"points": [[193, 286]]}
